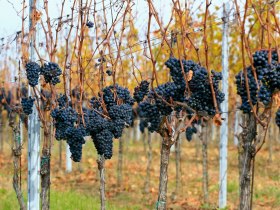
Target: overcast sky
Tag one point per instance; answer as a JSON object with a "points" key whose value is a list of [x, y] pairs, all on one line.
{"points": [[10, 21]]}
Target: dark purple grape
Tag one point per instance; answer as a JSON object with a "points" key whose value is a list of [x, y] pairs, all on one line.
{"points": [[33, 72], [89, 24], [27, 105], [51, 72]]}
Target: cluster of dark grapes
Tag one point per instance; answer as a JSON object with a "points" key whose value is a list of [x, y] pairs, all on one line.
{"points": [[264, 95], [192, 128], [27, 105], [119, 114], [102, 123], [62, 100], [103, 143], [241, 89], [268, 79], [95, 103], [111, 95], [75, 140], [277, 118], [33, 71], [109, 72], [51, 72], [100, 129], [141, 91], [150, 115], [189, 132], [201, 98], [268, 75], [89, 24], [156, 105], [198, 95], [178, 72], [167, 92], [260, 58], [67, 128], [64, 118]]}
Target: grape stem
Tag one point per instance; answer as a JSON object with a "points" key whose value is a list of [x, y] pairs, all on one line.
{"points": [[242, 35], [206, 56], [103, 115]]}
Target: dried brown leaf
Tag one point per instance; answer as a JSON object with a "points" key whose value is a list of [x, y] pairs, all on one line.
{"points": [[217, 120], [190, 75], [276, 98]]}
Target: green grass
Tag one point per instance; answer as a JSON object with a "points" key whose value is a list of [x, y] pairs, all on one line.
{"points": [[8, 200], [270, 192], [65, 200], [232, 187]]}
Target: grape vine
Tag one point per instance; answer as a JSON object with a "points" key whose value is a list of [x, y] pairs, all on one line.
{"points": [[268, 79], [163, 100], [27, 105]]}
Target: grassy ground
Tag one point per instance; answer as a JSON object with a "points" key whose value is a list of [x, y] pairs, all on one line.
{"points": [[79, 190]]}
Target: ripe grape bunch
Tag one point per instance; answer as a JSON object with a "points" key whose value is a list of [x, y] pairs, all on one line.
{"points": [[106, 118], [141, 91], [33, 72], [112, 94], [62, 100], [99, 128], [27, 105], [189, 132], [121, 116], [75, 140], [51, 72], [200, 98], [192, 90], [268, 79], [109, 72], [89, 24], [241, 89], [95, 103], [150, 115], [192, 129], [268, 75], [108, 121], [63, 119], [67, 128]]}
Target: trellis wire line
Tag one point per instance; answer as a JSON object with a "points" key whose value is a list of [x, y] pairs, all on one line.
{"points": [[76, 12], [55, 19]]}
